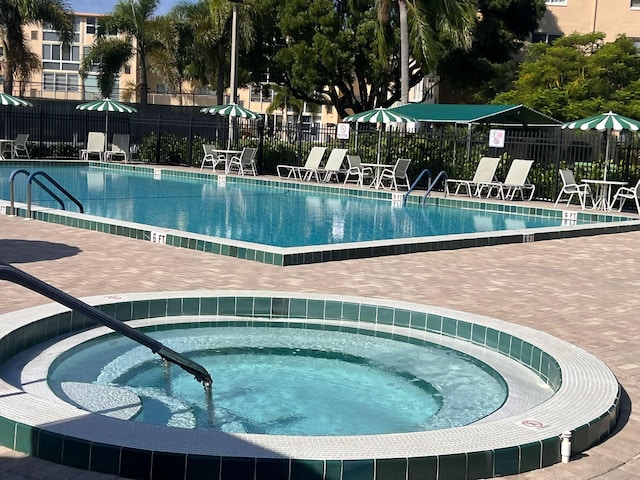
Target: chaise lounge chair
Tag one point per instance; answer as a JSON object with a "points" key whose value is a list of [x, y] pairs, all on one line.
{"points": [[485, 176], [308, 170], [95, 145], [119, 147], [515, 181], [571, 187], [333, 167]]}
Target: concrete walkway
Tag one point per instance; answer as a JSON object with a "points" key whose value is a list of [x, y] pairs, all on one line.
{"points": [[585, 291]]}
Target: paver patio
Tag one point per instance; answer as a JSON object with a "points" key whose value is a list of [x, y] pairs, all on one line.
{"points": [[582, 290]]}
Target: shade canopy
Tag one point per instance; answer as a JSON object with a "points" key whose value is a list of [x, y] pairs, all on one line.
{"points": [[231, 110], [7, 100], [380, 115], [106, 105], [469, 114], [605, 122]]}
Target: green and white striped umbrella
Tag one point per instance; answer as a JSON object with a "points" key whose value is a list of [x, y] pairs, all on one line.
{"points": [[379, 115], [7, 100], [605, 122], [231, 110], [106, 105]]}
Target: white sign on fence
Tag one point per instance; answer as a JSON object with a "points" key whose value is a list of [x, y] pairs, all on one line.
{"points": [[342, 132], [496, 138]]}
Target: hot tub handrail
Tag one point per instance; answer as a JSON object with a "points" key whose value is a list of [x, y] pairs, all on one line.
{"points": [[12, 274]]}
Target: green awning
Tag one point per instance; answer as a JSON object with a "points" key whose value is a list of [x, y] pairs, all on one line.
{"points": [[489, 114]]}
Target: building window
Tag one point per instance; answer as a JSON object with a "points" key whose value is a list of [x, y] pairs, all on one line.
{"points": [[541, 37], [127, 69], [556, 2], [635, 4], [91, 26], [55, 57], [34, 35], [60, 82]]}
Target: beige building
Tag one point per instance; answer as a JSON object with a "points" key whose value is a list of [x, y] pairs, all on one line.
{"points": [[612, 17]]}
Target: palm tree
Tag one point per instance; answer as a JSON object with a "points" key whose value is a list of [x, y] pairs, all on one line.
{"points": [[428, 23], [108, 55], [20, 61], [208, 24], [145, 32]]}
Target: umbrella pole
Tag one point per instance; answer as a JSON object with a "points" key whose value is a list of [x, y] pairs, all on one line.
{"points": [[606, 156], [379, 141]]}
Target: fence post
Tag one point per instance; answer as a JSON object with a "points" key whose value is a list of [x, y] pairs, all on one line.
{"points": [[158, 142], [190, 142]]}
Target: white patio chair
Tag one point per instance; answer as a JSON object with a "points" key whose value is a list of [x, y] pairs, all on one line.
{"points": [[211, 156], [245, 163], [396, 176], [627, 193], [571, 187], [95, 145], [119, 147], [20, 145], [357, 172]]}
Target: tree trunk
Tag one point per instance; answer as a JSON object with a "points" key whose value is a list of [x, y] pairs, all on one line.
{"points": [[404, 53]]}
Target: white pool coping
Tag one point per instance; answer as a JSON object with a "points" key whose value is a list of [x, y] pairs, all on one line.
{"points": [[588, 389]]}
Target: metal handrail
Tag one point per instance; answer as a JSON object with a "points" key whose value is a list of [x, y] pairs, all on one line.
{"points": [[424, 172], [31, 178], [441, 175], [12, 274]]}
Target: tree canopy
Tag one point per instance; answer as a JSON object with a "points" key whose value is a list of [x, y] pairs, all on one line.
{"points": [[578, 76]]}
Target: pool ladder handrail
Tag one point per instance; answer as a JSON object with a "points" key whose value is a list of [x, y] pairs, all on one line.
{"points": [[32, 178], [430, 184], [12, 274]]}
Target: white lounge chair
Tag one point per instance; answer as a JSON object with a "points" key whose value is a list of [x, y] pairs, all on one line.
{"points": [[515, 181], [308, 170], [627, 193], [95, 145], [357, 172], [571, 187], [485, 175], [395, 176], [245, 163], [333, 167], [212, 156], [119, 148]]}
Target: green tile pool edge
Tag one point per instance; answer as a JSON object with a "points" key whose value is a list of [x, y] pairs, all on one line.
{"points": [[602, 224], [41, 443]]}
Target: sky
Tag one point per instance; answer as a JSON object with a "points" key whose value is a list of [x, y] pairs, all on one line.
{"points": [[104, 6]]}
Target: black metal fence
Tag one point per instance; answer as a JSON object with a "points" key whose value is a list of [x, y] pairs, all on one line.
{"points": [[174, 135]]}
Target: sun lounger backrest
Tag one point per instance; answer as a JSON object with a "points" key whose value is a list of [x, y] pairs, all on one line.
{"points": [[314, 159], [518, 172], [486, 170], [336, 157], [95, 142], [120, 142]]}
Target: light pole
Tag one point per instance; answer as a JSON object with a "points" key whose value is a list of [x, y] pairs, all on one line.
{"points": [[233, 79]]}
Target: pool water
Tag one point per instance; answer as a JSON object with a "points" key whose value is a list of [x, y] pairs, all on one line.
{"points": [[280, 381], [268, 215]]}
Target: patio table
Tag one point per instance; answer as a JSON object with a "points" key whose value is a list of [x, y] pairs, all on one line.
{"points": [[603, 192]]}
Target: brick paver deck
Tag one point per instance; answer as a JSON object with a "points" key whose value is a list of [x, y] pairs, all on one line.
{"points": [[583, 290]]}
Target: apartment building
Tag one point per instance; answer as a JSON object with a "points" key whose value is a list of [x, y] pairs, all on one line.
{"points": [[59, 77], [612, 17]]}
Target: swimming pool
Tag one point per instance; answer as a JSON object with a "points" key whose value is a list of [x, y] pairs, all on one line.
{"points": [[281, 222]]}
